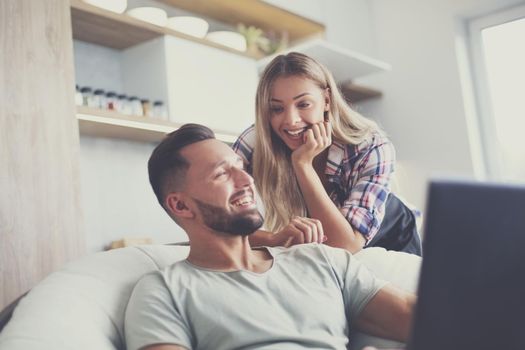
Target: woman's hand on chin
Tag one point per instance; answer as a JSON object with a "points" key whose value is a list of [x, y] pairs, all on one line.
{"points": [[315, 140]]}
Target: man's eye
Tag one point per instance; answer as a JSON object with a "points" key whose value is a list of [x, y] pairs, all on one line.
{"points": [[218, 175]]}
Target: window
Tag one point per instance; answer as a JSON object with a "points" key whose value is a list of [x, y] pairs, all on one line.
{"points": [[498, 61]]}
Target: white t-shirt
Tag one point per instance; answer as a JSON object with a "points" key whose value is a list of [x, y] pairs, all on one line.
{"points": [[306, 300]]}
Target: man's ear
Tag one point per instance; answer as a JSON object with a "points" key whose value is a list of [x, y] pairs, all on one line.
{"points": [[176, 205]]}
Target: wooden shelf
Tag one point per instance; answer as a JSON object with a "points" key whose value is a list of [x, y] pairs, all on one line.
{"points": [[355, 93], [104, 123], [99, 26], [253, 12], [344, 64], [120, 31]]}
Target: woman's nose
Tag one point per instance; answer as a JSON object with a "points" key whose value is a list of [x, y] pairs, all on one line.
{"points": [[291, 116]]}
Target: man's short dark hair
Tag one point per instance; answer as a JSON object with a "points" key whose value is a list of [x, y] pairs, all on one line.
{"points": [[166, 166]]}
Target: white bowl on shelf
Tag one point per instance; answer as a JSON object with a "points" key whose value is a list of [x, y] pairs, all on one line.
{"points": [[118, 6], [227, 38], [190, 25], [153, 15]]}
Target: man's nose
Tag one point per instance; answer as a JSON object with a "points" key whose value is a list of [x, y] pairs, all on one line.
{"points": [[242, 178]]}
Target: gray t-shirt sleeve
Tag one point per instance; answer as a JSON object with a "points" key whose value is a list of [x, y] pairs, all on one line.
{"points": [[358, 284], [152, 318]]}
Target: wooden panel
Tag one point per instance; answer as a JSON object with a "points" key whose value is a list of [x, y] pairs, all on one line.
{"points": [[355, 93], [120, 31], [104, 123], [253, 12], [40, 207], [109, 29]]}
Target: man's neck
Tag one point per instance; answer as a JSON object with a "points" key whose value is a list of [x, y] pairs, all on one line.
{"points": [[223, 253]]}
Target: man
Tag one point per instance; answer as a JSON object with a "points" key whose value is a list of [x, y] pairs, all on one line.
{"points": [[226, 295]]}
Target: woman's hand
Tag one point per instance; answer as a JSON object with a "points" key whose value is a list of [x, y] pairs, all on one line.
{"points": [[315, 140], [300, 230]]}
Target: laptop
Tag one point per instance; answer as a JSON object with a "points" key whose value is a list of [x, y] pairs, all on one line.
{"points": [[472, 285]]}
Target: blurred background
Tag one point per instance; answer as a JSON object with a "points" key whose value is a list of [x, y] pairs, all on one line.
{"points": [[89, 87]]}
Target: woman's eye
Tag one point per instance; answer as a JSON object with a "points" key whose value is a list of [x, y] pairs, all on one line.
{"points": [[276, 109], [304, 104]]}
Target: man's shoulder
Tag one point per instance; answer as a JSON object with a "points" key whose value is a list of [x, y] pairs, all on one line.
{"points": [[174, 270], [310, 251]]}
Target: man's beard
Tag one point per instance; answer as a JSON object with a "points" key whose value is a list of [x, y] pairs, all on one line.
{"points": [[220, 220]]}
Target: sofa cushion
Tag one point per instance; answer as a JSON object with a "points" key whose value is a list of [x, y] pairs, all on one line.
{"points": [[398, 268], [82, 305]]}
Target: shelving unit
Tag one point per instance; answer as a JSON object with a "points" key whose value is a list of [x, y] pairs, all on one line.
{"points": [[253, 12], [356, 93], [104, 123], [120, 31]]}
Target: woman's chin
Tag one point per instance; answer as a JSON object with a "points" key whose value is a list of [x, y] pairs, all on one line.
{"points": [[293, 144]]}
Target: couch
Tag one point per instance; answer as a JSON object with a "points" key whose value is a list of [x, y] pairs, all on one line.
{"points": [[82, 305]]}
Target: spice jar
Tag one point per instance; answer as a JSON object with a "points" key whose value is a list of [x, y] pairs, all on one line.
{"points": [[146, 108], [99, 98], [79, 100], [159, 110], [122, 105], [136, 105], [111, 101], [87, 96]]}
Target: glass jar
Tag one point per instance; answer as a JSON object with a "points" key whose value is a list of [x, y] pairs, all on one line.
{"points": [[123, 104], [87, 96], [135, 105], [79, 99], [146, 108], [99, 98], [111, 101], [159, 110]]}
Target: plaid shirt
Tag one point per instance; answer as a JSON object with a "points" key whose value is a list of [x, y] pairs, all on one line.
{"points": [[358, 177]]}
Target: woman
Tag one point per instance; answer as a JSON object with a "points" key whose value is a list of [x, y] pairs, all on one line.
{"points": [[312, 156]]}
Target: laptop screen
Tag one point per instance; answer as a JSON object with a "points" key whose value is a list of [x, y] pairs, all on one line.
{"points": [[472, 285]]}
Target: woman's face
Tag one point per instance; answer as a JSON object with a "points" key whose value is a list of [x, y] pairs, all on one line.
{"points": [[296, 103]]}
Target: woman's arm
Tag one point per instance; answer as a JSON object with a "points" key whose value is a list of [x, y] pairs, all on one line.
{"points": [[361, 214], [321, 207], [319, 204]]}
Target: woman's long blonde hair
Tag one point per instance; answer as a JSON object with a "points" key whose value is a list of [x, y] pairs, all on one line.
{"points": [[272, 166]]}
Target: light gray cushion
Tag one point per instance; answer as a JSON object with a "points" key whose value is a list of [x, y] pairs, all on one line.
{"points": [[82, 305], [402, 270]]}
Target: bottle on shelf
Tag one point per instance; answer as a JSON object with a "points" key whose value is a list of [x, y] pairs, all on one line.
{"points": [[122, 104], [159, 110], [99, 99], [146, 108], [111, 101], [136, 105], [87, 96], [79, 100]]}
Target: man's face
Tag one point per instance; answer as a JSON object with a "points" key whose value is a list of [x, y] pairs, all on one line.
{"points": [[221, 193]]}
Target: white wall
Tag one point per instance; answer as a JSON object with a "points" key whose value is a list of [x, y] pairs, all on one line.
{"points": [[422, 108], [117, 198], [97, 66]]}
